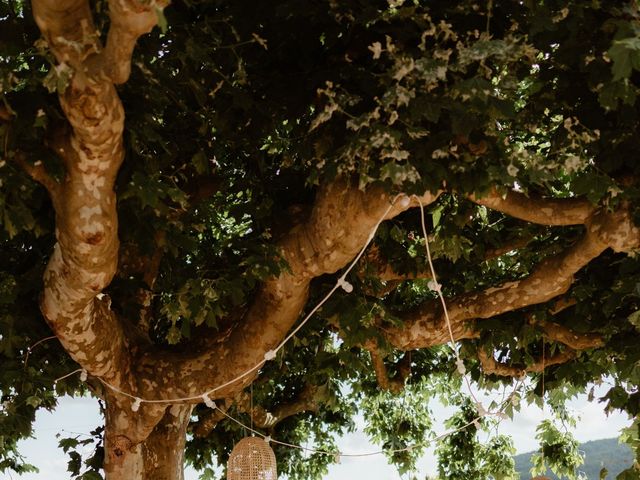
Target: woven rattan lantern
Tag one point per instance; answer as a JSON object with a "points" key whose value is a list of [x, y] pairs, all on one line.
{"points": [[252, 459]]}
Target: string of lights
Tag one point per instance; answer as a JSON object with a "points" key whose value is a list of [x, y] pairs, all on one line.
{"points": [[342, 283], [205, 397]]}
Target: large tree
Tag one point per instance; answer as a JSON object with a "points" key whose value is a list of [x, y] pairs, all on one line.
{"points": [[179, 186]]}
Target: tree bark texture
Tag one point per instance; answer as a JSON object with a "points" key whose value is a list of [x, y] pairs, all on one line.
{"points": [[157, 453], [149, 443]]}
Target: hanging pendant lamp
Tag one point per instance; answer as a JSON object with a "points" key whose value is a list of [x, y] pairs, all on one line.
{"points": [[252, 459]]}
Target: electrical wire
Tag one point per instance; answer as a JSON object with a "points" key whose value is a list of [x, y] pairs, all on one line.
{"points": [[269, 355]]}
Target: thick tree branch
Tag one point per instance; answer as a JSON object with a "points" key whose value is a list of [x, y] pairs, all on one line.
{"points": [[566, 336], [491, 366], [208, 421], [535, 209], [262, 418], [425, 326], [85, 257], [67, 26], [384, 271], [339, 225], [553, 332], [129, 20], [380, 369]]}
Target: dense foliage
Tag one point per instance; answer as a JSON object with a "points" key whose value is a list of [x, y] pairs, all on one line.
{"points": [[237, 111]]}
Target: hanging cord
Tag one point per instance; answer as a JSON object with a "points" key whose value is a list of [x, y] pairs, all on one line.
{"points": [[544, 413], [341, 283], [30, 349], [338, 455], [438, 289]]}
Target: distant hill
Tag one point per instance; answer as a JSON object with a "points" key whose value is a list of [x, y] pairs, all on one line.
{"points": [[598, 453]]}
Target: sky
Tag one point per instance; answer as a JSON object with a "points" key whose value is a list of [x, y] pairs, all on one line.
{"points": [[80, 415]]}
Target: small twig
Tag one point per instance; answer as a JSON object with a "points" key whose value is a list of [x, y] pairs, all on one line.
{"points": [[38, 173], [30, 349]]}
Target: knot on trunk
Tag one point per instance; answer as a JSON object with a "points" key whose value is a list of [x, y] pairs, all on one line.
{"points": [[120, 446]]}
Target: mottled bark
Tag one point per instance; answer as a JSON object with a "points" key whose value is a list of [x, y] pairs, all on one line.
{"points": [[425, 326], [491, 366], [85, 256], [149, 443], [561, 334], [535, 209], [339, 225]]}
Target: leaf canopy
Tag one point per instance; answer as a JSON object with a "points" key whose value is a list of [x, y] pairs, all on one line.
{"points": [[236, 114]]}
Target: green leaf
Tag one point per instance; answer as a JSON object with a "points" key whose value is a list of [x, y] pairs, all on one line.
{"points": [[208, 474], [625, 55], [75, 463], [173, 335], [33, 401], [67, 443], [614, 92], [91, 475], [399, 173], [436, 215]]}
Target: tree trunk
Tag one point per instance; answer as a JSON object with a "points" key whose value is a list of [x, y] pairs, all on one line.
{"points": [[137, 450]]}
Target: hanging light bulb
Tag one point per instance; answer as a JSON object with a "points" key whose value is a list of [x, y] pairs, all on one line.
{"points": [[252, 459]]}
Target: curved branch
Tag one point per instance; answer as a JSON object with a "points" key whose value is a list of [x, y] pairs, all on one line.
{"points": [[304, 402], [562, 304], [566, 336], [35, 169], [85, 256], [130, 19], [491, 366], [426, 327], [381, 269], [536, 209], [208, 421], [68, 28], [339, 225], [551, 331], [39, 174]]}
